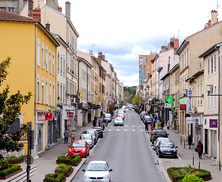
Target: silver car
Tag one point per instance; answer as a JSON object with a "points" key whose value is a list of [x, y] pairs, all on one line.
{"points": [[88, 138], [107, 117], [93, 133], [118, 121]]}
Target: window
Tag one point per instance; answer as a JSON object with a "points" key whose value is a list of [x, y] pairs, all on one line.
{"points": [[215, 63], [61, 65], [53, 63], [53, 94], [46, 58], [43, 90], [208, 103], [50, 63], [201, 100], [64, 91], [60, 92], [187, 56], [64, 66], [11, 9], [38, 59], [46, 92], [3, 8], [208, 71], [43, 55], [50, 93], [212, 64], [58, 64], [215, 92], [38, 88]]}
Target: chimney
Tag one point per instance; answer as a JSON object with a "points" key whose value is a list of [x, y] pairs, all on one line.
{"points": [[47, 26], [100, 56], [213, 17], [52, 3], [68, 5], [30, 8], [60, 9], [37, 14], [168, 65], [176, 43]]}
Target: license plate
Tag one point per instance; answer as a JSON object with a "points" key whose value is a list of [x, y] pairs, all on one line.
{"points": [[95, 180], [168, 152], [75, 154]]}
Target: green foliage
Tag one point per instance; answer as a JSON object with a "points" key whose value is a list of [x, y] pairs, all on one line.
{"points": [[180, 172], [136, 100], [10, 109], [58, 177], [4, 164], [12, 168], [14, 159], [69, 160], [191, 178], [62, 168]]}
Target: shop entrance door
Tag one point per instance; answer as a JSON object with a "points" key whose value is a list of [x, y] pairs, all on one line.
{"points": [[206, 143], [40, 137]]}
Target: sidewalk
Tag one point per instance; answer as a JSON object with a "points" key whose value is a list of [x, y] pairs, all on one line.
{"points": [[186, 158], [46, 163]]}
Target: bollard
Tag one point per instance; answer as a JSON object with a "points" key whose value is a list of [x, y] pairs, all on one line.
{"points": [[184, 143], [219, 165], [180, 140], [193, 160], [103, 127], [199, 164]]}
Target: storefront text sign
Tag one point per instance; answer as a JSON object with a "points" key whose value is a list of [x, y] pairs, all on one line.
{"points": [[40, 116], [213, 123], [189, 120], [70, 114], [49, 116]]}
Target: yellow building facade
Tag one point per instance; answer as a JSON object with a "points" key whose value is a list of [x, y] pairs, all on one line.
{"points": [[32, 50]]}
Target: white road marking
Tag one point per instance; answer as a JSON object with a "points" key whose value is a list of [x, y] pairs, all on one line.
{"points": [[117, 129], [140, 126], [109, 129], [125, 129], [133, 130], [126, 126], [141, 130], [133, 126]]}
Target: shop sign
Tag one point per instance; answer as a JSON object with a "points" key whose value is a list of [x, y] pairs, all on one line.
{"points": [[189, 120], [49, 116], [40, 116], [101, 99], [70, 114], [213, 123]]}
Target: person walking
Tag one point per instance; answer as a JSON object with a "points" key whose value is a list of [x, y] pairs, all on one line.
{"points": [[72, 135], [99, 122], [189, 141], [66, 135], [200, 149], [146, 126], [94, 121], [151, 127], [168, 124], [162, 124]]}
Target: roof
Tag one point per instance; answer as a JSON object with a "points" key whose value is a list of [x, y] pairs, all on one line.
{"points": [[210, 50], [8, 16], [195, 75]]}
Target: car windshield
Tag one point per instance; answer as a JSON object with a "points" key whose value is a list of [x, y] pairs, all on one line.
{"points": [[148, 117], [167, 145], [121, 115], [78, 144], [161, 132], [91, 132], [107, 115], [118, 119], [85, 137], [97, 167]]}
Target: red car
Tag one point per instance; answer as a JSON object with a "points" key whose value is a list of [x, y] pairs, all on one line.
{"points": [[79, 147], [122, 116]]}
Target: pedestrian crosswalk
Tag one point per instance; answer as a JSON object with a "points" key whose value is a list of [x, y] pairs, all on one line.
{"points": [[132, 128]]}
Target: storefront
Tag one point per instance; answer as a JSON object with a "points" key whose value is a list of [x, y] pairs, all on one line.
{"points": [[40, 128], [68, 122]]}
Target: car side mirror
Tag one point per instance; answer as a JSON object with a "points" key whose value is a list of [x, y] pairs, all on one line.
{"points": [[176, 147], [68, 145], [167, 133], [110, 170], [83, 170]]}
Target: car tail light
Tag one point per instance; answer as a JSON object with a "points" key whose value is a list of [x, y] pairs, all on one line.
{"points": [[154, 137], [101, 131]]}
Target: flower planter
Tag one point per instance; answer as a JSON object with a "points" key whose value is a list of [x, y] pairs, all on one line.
{"points": [[62, 180], [8, 176], [176, 180], [68, 163], [67, 175], [16, 162]]}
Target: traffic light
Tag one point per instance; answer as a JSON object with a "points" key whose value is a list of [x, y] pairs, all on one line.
{"points": [[183, 107]]}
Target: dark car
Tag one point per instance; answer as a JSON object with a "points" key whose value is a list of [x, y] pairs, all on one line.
{"points": [[157, 133], [166, 149], [99, 131]]}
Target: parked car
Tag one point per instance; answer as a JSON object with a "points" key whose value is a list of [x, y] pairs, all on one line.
{"points": [[93, 133], [107, 117], [122, 116], [147, 119], [79, 147], [141, 114], [157, 133], [118, 121], [167, 149], [158, 140], [97, 171], [121, 111], [88, 138], [99, 131]]}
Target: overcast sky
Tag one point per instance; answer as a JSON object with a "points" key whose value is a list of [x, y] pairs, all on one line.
{"points": [[125, 29]]}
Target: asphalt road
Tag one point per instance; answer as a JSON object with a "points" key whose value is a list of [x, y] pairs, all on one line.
{"points": [[128, 152]]}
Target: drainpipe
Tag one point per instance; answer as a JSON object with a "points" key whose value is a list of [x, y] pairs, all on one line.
{"points": [[35, 114], [218, 122]]}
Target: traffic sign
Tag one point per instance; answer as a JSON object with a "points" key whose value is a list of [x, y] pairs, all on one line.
{"points": [[183, 107], [166, 105]]}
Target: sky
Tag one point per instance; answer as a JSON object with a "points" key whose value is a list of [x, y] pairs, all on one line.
{"points": [[124, 29]]}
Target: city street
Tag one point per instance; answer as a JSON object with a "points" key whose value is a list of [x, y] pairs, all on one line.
{"points": [[127, 151]]}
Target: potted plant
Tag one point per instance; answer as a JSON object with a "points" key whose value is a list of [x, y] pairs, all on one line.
{"points": [[7, 170], [15, 160], [64, 169], [59, 177], [69, 160]]}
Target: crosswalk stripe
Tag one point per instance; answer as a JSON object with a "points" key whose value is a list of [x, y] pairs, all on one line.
{"points": [[133, 130], [117, 129], [109, 129], [133, 126], [125, 129]]}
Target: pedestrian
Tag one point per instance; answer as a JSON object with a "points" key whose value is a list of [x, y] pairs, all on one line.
{"points": [[146, 126], [200, 149], [66, 135], [94, 121], [99, 122], [162, 124], [168, 124], [151, 127], [189, 141], [72, 135]]}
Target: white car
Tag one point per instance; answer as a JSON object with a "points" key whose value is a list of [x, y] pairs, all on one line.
{"points": [[97, 171], [157, 141], [88, 138]]}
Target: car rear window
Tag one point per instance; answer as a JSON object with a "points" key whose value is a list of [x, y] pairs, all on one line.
{"points": [[78, 144], [161, 132]]}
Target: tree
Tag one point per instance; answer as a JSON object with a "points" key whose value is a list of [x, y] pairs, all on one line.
{"points": [[136, 100], [10, 108]]}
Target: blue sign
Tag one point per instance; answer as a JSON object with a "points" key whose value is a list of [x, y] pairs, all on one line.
{"points": [[109, 101], [190, 92]]}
